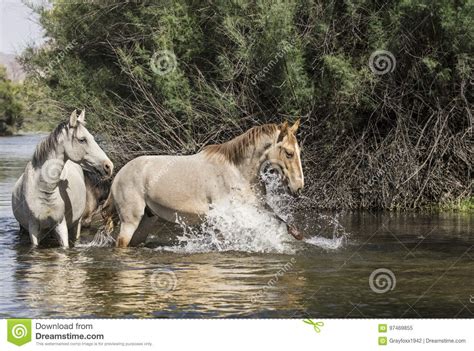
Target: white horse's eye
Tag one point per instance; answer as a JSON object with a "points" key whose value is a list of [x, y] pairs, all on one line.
{"points": [[82, 140]]}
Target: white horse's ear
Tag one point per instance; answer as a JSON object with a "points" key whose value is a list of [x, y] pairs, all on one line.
{"points": [[295, 126], [82, 117], [73, 119]]}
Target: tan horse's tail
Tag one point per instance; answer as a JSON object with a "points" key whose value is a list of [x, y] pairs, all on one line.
{"points": [[109, 214]]}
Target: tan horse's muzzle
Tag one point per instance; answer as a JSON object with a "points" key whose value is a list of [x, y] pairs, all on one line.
{"points": [[295, 185], [297, 189]]}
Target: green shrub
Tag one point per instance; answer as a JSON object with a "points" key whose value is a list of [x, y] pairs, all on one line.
{"points": [[394, 140]]}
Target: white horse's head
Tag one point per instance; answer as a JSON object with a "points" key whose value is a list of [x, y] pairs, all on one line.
{"points": [[81, 147]]}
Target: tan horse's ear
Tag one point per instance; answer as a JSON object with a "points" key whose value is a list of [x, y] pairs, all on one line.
{"points": [[73, 119], [295, 126], [283, 127], [82, 117], [283, 131]]}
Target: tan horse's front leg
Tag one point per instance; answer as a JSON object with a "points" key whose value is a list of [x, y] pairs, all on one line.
{"points": [[62, 233], [126, 233], [130, 217]]}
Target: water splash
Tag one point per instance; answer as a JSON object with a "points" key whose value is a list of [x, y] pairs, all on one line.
{"points": [[326, 243], [233, 226], [276, 197], [331, 235], [102, 238]]}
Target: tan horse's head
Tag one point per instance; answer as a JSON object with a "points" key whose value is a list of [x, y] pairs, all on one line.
{"points": [[268, 144], [286, 154]]}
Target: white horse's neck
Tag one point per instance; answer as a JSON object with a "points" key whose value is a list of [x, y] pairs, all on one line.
{"points": [[50, 169]]}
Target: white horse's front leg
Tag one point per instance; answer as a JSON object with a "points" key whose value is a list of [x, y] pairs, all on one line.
{"points": [[34, 231], [78, 228], [62, 233]]}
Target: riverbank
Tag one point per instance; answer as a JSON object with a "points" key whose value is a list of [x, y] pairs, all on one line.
{"points": [[463, 206], [29, 126]]}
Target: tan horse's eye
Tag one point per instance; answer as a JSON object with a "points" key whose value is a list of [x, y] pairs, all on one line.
{"points": [[289, 154]]}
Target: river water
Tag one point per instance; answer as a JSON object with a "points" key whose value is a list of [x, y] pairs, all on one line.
{"points": [[350, 265]]}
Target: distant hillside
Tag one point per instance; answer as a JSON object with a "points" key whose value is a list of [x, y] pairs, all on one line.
{"points": [[14, 69]]}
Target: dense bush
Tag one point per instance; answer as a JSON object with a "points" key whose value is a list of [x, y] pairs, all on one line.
{"points": [[370, 140], [10, 105]]}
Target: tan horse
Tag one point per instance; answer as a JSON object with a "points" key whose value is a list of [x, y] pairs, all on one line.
{"points": [[50, 196], [186, 186]]}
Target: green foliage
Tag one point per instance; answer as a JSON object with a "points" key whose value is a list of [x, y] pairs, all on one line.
{"points": [[462, 205], [39, 111], [11, 107], [239, 63]]}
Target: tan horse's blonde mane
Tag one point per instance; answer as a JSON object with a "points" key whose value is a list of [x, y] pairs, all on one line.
{"points": [[235, 150]]}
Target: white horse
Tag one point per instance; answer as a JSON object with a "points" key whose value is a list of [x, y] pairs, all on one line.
{"points": [[187, 186], [50, 196]]}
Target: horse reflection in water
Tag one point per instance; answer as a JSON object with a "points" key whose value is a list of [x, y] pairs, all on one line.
{"points": [[130, 284]]}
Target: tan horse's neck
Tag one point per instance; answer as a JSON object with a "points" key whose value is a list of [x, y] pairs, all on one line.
{"points": [[247, 150], [256, 155]]}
